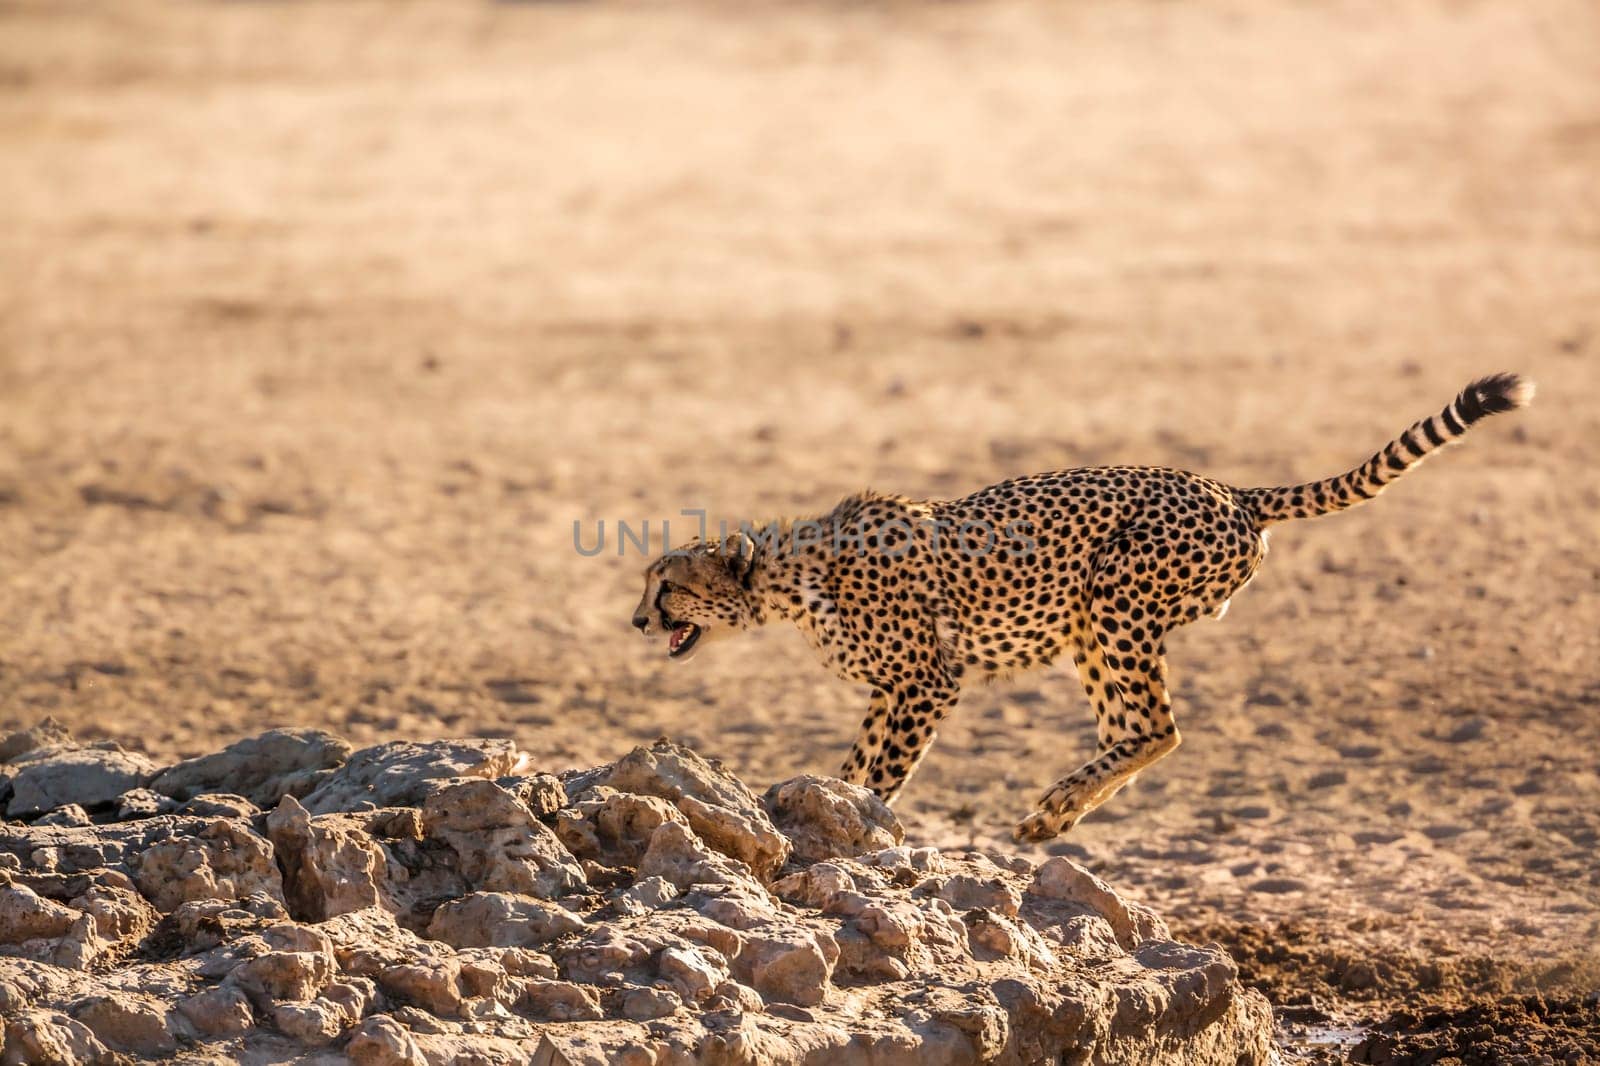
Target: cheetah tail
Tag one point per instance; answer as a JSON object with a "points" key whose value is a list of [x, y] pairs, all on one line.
{"points": [[1485, 397]]}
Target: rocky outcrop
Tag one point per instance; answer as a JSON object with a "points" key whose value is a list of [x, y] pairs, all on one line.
{"points": [[427, 904], [263, 769]]}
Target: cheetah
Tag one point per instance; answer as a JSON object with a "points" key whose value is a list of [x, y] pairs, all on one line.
{"points": [[911, 598]]}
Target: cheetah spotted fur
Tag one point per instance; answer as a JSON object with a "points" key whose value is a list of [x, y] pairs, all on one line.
{"points": [[914, 598]]}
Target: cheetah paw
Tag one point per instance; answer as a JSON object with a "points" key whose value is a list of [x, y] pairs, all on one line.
{"points": [[1041, 825]]}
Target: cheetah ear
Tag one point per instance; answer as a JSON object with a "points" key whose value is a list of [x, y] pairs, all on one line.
{"points": [[739, 552]]}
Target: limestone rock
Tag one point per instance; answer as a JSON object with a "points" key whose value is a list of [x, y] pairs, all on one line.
{"points": [[143, 803], [54, 776], [679, 857], [263, 769], [500, 845], [718, 806], [128, 1022], [404, 773], [50, 1038], [25, 915], [1064, 880], [70, 815], [666, 916], [225, 860], [330, 865], [382, 1041], [47, 733], [500, 919], [826, 818]]}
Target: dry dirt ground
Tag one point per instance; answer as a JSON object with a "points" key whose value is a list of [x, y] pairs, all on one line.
{"points": [[321, 324]]}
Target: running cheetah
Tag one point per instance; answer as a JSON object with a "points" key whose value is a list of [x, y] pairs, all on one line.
{"points": [[913, 597]]}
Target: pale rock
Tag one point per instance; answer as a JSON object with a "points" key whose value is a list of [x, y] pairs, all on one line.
{"points": [[434, 984], [70, 815], [323, 1020], [224, 860], [520, 962], [560, 1001], [647, 1004], [501, 919], [382, 1041], [298, 964], [121, 916], [788, 966], [263, 768], [540, 793], [26, 915], [678, 856], [500, 845], [966, 891], [404, 773], [735, 997], [127, 1022], [50, 1038], [673, 950], [815, 886], [696, 973], [645, 895], [330, 864], [54, 776], [218, 805], [219, 1011], [827, 818], [718, 805], [737, 906], [207, 923], [1064, 880], [623, 823], [604, 956], [143, 803]]}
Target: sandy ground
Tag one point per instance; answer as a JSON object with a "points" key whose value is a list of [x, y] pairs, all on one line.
{"points": [[322, 324]]}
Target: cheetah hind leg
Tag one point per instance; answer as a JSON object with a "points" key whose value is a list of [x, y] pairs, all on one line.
{"points": [[1136, 729]]}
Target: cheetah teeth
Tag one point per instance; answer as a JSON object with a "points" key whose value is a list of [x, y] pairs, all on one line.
{"points": [[683, 638]]}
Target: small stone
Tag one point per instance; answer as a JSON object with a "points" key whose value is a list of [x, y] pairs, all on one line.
{"points": [[69, 815], [382, 1041], [1471, 729], [50, 1038], [560, 1001], [143, 803], [219, 1011], [647, 1004], [695, 973]]}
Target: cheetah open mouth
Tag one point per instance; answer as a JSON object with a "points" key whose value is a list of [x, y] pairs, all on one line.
{"points": [[682, 639]]}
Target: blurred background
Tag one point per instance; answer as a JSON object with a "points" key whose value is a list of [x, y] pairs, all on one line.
{"points": [[323, 323]]}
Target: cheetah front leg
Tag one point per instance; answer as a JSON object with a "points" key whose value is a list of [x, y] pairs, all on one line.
{"points": [[869, 741], [912, 712]]}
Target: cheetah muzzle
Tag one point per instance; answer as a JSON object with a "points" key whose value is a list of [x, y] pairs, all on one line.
{"points": [[914, 598]]}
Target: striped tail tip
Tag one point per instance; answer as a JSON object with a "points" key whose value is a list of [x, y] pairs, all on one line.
{"points": [[1493, 395]]}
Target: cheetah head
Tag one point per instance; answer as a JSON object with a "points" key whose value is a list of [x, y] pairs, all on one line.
{"points": [[698, 592]]}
